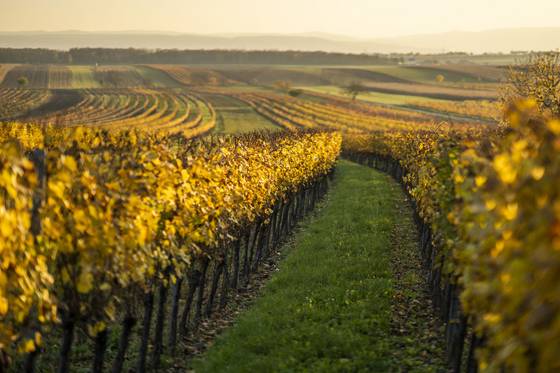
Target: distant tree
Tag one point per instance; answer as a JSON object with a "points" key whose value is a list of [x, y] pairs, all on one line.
{"points": [[283, 86], [23, 81], [295, 92], [355, 89], [440, 78], [538, 79]]}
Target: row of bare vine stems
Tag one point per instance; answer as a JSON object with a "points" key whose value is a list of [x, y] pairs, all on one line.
{"points": [[460, 341], [205, 289]]}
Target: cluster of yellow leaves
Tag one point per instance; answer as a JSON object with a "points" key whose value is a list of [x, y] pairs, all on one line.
{"points": [[25, 280], [509, 248], [127, 210]]}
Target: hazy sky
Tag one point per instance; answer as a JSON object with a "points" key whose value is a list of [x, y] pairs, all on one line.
{"points": [[363, 18]]}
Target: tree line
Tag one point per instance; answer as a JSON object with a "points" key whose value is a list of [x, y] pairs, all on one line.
{"points": [[174, 56]]}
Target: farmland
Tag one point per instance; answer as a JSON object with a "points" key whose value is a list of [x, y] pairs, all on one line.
{"points": [[161, 110], [269, 218], [118, 92], [235, 116]]}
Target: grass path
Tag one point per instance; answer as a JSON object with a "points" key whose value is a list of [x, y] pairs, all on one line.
{"points": [[337, 302]]}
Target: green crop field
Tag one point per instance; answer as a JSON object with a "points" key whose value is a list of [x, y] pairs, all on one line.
{"points": [[237, 117]]}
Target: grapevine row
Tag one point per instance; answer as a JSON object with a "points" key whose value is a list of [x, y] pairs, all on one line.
{"points": [[488, 207], [95, 223]]}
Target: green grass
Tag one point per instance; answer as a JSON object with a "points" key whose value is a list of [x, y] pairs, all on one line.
{"points": [[235, 116], [377, 97], [328, 309]]}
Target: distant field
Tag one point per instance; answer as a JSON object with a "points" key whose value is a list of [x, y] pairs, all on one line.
{"points": [[432, 91], [339, 75], [162, 110], [82, 77], [37, 76], [116, 90], [480, 72], [4, 68], [16, 102], [376, 97], [496, 60], [270, 75], [481, 109], [235, 116], [173, 76], [157, 78], [193, 76], [451, 73], [485, 110], [119, 77], [59, 77]]}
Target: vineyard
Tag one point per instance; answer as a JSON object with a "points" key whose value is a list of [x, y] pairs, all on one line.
{"points": [[339, 115], [161, 110], [138, 203], [93, 245]]}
